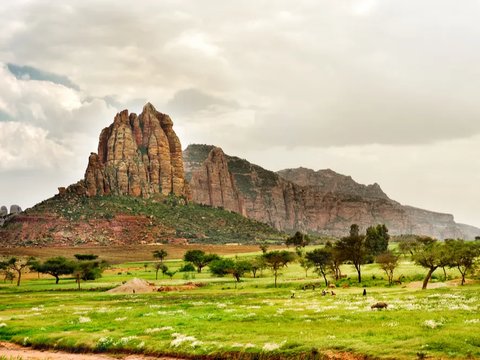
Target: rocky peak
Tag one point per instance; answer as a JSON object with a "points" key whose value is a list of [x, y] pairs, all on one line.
{"points": [[137, 155], [325, 181]]}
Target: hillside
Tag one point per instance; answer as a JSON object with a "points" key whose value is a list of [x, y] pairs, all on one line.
{"points": [[71, 220]]}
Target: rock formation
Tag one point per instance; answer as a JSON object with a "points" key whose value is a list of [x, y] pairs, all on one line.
{"points": [[138, 156], [3, 211], [15, 209], [322, 202]]}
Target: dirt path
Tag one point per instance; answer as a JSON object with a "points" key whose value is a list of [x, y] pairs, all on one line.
{"points": [[12, 351]]}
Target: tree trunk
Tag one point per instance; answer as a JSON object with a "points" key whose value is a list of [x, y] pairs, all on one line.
{"points": [[19, 272], [463, 273], [254, 272], [427, 278], [156, 274], [359, 273], [56, 279], [275, 274], [444, 273], [325, 278]]}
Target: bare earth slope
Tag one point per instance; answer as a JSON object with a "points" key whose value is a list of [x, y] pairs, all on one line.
{"points": [[301, 199]]}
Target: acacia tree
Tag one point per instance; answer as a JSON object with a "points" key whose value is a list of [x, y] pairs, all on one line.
{"points": [[17, 265], [335, 261], [388, 262], [88, 269], [199, 258], [463, 256], [257, 263], [275, 260], [352, 248], [429, 255], [55, 267], [236, 268], [320, 258], [160, 254]]}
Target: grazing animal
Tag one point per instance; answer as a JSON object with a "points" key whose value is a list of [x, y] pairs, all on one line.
{"points": [[331, 286], [324, 292], [333, 294], [364, 292], [379, 305]]}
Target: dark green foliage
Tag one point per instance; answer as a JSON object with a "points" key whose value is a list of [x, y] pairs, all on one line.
{"points": [[429, 255], [352, 248], [462, 255], [199, 258], [160, 254], [275, 260], [298, 240], [89, 269], [224, 266], [376, 240], [321, 260], [188, 267], [82, 257], [56, 267]]}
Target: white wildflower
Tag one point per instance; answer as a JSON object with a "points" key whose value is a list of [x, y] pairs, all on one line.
{"points": [[472, 321], [84, 319], [121, 318], [432, 324], [3, 325], [270, 347], [181, 338]]}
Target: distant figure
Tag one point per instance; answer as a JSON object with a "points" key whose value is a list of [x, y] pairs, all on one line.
{"points": [[292, 296], [333, 294], [364, 292], [133, 291]]}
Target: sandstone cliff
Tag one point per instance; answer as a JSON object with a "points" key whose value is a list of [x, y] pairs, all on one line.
{"points": [[138, 156], [322, 202]]}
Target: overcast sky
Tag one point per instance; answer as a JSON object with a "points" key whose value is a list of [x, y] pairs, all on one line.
{"points": [[384, 91]]}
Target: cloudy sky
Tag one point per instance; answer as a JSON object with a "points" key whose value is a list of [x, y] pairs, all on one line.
{"points": [[384, 91]]}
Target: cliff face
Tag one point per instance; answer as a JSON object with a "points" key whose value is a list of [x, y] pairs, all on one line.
{"points": [[301, 199], [138, 156]]}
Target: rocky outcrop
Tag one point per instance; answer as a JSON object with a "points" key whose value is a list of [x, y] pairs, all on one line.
{"points": [[138, 156], [15, 209], [6, 216], [321, 202], [3, 211]]}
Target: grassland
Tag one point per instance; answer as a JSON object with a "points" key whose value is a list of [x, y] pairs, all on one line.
{"points": [[251, 320]]}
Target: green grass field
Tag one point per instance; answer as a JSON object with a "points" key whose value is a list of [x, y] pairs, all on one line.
{"points": [[252, 320]]}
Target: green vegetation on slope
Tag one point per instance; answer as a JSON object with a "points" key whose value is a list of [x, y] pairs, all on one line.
{"points": [[197, 223]]}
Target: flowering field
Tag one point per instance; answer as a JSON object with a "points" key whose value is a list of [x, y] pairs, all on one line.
{"points": [[253, 319]]}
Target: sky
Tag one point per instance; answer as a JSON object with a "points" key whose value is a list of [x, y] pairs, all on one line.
{"points": [[385, 91]]}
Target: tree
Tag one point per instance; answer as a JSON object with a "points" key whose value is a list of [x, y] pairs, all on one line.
{"points": [[336, 260], [55, 267], [352, 248], [199, 258], [463, 256], [276, 260], [298, 240], [89, 270], [408, 245], [429, 255], [376, 239], [257, 263], [305, 264], [236, 268], [160, 254], [160, 266], [320, 258], [17, 265], [388, 262], [264, 247]]}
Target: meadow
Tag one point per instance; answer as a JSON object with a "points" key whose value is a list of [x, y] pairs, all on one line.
{"points": [[249, 320]]}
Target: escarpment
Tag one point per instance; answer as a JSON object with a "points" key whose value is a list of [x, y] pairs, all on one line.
{"points": [[322, 202]]}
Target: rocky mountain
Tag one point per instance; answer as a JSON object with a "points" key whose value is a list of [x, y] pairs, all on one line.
{"points": [[321, 202], [138, 156], [141, 188]]}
